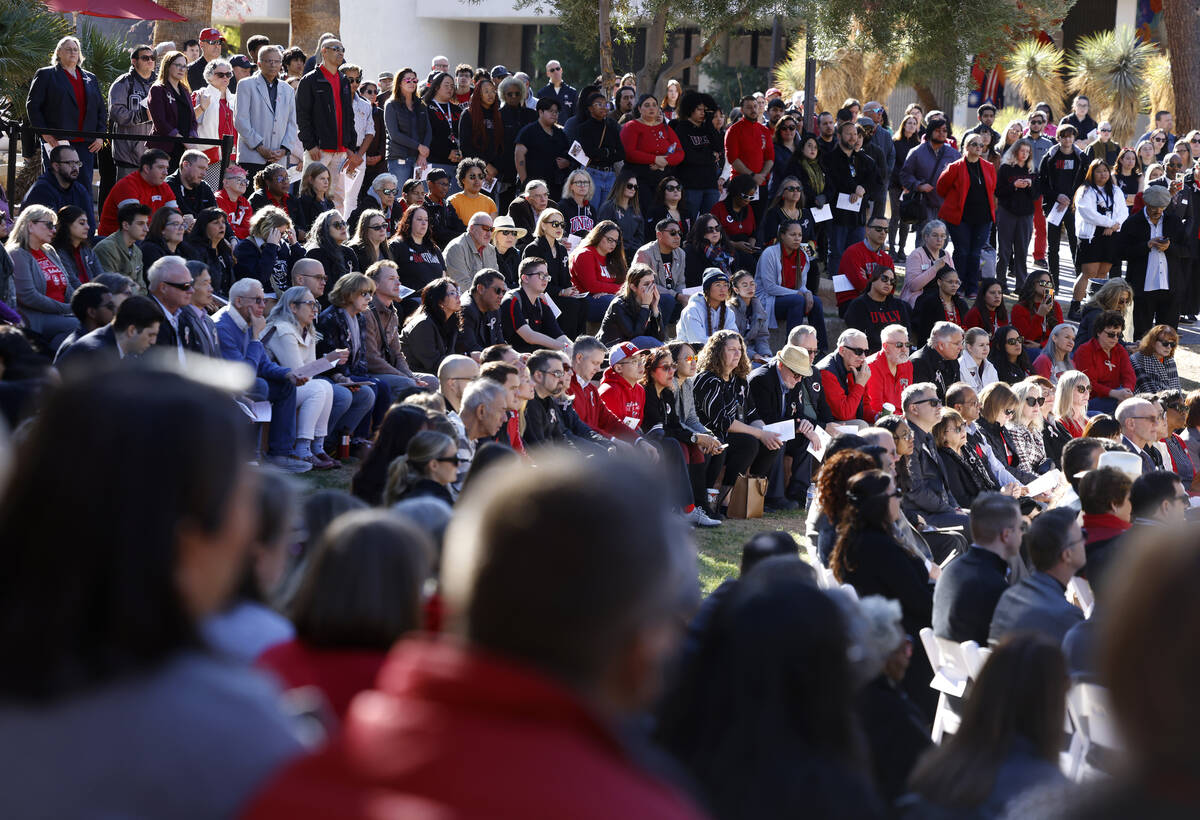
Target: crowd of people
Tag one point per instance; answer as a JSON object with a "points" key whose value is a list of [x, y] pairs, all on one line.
{"points": [[591, 315]]}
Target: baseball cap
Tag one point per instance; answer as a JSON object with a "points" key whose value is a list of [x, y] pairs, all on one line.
{"points": [[499, 72], [622, 352], [211, 35], [241, 61]]}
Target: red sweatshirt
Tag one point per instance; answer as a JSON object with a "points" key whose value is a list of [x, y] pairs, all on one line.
{"points": [[1033, 327], [623, 400], [751, 143], [589, 273], [883, 387], [645, 142], [595, 413], [1108, 371], [856, 267]]}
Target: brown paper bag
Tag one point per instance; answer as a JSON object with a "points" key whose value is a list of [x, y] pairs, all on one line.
{"points": [[746, 500]]}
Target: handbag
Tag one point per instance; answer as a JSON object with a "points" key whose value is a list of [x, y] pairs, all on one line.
{"points": [[746, 500], [912, 206]]}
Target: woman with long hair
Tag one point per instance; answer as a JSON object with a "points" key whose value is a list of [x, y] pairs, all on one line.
{"points": [[71, 241], [417, 256], [1099, 212], [1017, 191], [751, 316], [407, 123], [902, 437], [908, 137], [428, 467], [1010, 736], [326, 244], [1055, 358], [1036, 313], [291, 336], [831, 480], [997, 407], [650, 147], [967, 476], [402, 422], [43, 287], [1125, 175], [787, 206], [668, 204], [207, 238], [940, 302], [481, 131], [1025, 429], [722, 396], [343, 326], [444, 114], [988, 311], [624, 208], [1009, 355], [633, 315], [598, 267], [576, 203], [170, 107], [1154, 360], [1115, 294], [707, 246], [313, 199], [926, 260], [268, 253], [670, 99], [370, 242], [166, 236], [431, 333], [1070, 417], [786, 143], [969, 188], [762, 712], [700, 169], [738, 219]]}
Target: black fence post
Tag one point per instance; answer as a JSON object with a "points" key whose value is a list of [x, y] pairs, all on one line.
{"points": [[14, 135]]}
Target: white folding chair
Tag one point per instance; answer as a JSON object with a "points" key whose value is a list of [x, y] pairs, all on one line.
{"points": [[1094, 726], [953, 665], [1079, 592]]}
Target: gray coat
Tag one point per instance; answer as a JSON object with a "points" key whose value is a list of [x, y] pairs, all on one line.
{"points": [[91, 264], [405, 129], [923, 166], [32, 301], [257, 123], [128, 115], [648, 255], [1037, 604]]}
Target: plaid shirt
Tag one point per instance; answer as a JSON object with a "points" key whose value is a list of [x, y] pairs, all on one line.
{"points": [[1028, 447], [1154, 374]]}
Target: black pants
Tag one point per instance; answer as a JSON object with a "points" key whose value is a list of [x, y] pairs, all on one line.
{"points": [[1157, 307], [1191, 285], [745, 454], [675, 470], [1054, 240]]}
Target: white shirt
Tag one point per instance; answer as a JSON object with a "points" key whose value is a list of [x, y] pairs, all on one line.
{"points": [[1156, 264], [173, 318], [364, 123]]}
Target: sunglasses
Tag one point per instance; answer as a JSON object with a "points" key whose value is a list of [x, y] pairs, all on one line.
{"points": [[712, 229], [145, 58], [180, 285], [933, 402], [1010, 412], [484, 228], [455, 460], [1167, 345], [1111, 334], [629, 186], [671, 233], [1015, 341], [1082, 388], [877, 227], [555, 224], [498, 291], [338, 224], [887, 280], [901, 345], [223, 74], [672, 187], [791, 189], [857, 351], [787, 128], [1040, 401], [378, 227]]}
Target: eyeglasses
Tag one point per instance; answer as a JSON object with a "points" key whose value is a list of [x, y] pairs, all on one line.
{"points": [[258, 300], [409, 80], [148, 58], [555, 223], [354, 79], [1175, 407], [1159, 139], [688, 359], [484, 228], [787, 128], [1017, 340], [668, 367], [558, 374], [370, 92], [312, 303], [223, 74], [1082, 388], [174, 224], [581, 182], [556, 68], [377, 227], [237, 179], [455, 460], [877, 227], [320, 277], [180, 285], [1010, 412], [540, 274], [857, 351], [505, 232], [901, 345], [672, 187], [1112, 334], [1040, 401], [338, 224], [498, 291], [1166, 344], [932, 402], [338, 49], [1149, 418]]}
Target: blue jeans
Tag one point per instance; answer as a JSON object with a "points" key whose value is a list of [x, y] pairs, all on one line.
{"points": [[1102, 404], [281, 393], [350, 407], [968, 244], [840, 238], [402, 171], [597, 304], [646, 342], [791, 309], [700, 200], [396, 384], [602, 182]]}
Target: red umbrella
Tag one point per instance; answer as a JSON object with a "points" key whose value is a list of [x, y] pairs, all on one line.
{"points": [[120, 9]]}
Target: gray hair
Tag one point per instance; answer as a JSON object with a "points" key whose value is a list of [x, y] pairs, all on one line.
{"points": [[213, 65], [534, 184], [479, 393], [277, 49], [383, 180], [194, 155], [799, 332], [943, 331], [243, 287], [282, 312], [509, 82], [931, 226], [914, 391], [892, 330], [160, 268], [848, 335], [883, 633], [1129, 408]]}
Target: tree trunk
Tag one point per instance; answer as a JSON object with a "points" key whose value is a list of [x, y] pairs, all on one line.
{"points": [[648, 76], [198, 14], [606, 48], [1181, 19], [669, 70], [311, 19], [925, 97]]}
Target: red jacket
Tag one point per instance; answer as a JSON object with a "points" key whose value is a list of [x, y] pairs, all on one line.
{"points": [[858, 262], [883, 387], [340, 674], [643, 143], [623, 400], [589, 272], [1033, 327], [454, 732], [953, 185], [750, 142], [239, 213], [595, 413], [1107, 371]]}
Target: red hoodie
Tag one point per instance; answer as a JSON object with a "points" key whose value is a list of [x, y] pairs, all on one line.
{"points": [[624, 400], [589, 272], [595, 413]]}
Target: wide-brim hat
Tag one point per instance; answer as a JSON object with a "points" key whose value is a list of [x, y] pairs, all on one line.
{"points": [[1128, 463], [796, 359], [506, 223]]}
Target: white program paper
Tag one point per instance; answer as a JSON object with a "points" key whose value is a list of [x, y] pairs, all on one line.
{"points": [[314, 368], [786, 429], [490, 184], [690, 292], [577, 154], [555, 309], [1055, 217], [1044, 483], [844, 203], [822, 214], [819, 452]]}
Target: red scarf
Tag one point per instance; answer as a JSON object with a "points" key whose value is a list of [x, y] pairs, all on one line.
{"points": [[1102, 526]]}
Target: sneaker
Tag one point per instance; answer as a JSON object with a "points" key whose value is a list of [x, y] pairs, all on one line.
{"points": [[288, 464], [1187, 319], [780, 505], [697, 518], [1040, 263]]}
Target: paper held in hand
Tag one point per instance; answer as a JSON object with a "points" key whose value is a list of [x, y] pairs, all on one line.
{"points": [[576, 153], [257, 411], [825, 438], [548, 302], [786, 429], [844, 203], [1044, 483], [317, 366], [489, 185], [1055, 217], [822, 214]]}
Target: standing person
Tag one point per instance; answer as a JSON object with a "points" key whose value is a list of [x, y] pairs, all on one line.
{"points": [[1103, 147], [541, 148], [968, 187], [650, 146], [408, 130], [325, 118], [215, 106], [924, 165], [559, 91], [444, 115], [1099, 213], [355, 169], [750, 149], [171, 110], [265, 118], [126, 110], [481, 132], [1017, 192], [514, 116], [848, 171], [210, 49], [907, 138], [63, 95], [1150, 241], [1059, 175], [600, 138], [701, 151]]}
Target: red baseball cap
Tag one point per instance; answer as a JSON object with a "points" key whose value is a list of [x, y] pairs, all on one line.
{"points": [[622, 352], [211, 35]]}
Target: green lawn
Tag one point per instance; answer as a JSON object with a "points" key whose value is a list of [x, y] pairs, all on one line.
{"points": [[720, 548]]}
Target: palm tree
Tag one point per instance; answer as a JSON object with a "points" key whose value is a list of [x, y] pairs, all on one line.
{"points": [[1034, 70], [198, 14], [1160, 89], [849, 72], [1112, 68], [311, 18]]}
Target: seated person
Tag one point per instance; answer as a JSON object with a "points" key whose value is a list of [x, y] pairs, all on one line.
{"points": [[587, 357], [891, 372], [779, 282], [481, 325], [928, 494], [528, 321], [845, 374], [1139, 420], [634, 314], [709, 311], [130, 334], [1104, 497], [967, 476], [937, 360], [1105, 361], [860, 262], [621, 390], [878, 307], [385, 359]]}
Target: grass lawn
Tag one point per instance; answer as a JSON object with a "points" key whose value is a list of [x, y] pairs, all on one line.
{"points": [[720, 548]]}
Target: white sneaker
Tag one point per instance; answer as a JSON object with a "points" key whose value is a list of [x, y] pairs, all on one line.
{"points": [[697, 518], [288, 464]]}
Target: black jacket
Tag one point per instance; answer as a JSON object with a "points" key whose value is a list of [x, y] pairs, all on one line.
{"points": [[966, 476], [513, 118], [1186, 206], [624, 319], [882, 566], [1017, 201], [557, 264], [191, 202], [1060, 174], [548, 422], [418, 264], [509, 264], [491, 152], [334, 326], [770, 400], [601, 141], [699, 169], [425, 342], [966, 595], [335, 267], [305, 208], [1132, 239], [479, 329], [316, 119], [842, 175], [1002, 447], [929, 366], [660, 413], [929, 311], [522, 214], [444, 223]]}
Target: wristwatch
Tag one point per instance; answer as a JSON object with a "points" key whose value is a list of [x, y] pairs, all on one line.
{"points": [[694, 437]]}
